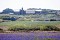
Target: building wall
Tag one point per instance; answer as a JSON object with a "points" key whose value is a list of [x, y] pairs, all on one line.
{"points": [[30, 12]]}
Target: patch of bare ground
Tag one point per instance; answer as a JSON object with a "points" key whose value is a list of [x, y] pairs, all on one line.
{"points": [[31, 31], [4, 27]]}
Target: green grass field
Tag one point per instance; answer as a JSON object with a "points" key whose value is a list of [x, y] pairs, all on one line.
{"points": [[29, 23]]}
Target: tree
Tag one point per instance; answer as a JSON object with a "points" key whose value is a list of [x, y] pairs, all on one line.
{"points": [[7, 11]]}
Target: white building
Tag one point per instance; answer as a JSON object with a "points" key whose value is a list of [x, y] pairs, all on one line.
{"points": [[30, 11]]}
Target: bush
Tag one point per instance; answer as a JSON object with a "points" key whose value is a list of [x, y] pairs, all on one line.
{"points": [[53, 20], [6, 18], [12, 18]]}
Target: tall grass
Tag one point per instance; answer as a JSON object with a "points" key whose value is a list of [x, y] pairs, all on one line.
{"points": [[29, 25]]}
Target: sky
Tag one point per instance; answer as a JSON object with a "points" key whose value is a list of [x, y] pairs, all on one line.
{"points": [[18, 4]]}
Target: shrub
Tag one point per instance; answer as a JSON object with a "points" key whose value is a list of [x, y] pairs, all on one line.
{"points": [[12, 18], [53, 20], [6, 18]]}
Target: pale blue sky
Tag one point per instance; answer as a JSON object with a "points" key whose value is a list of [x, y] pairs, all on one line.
{"points": [[18, 4]]}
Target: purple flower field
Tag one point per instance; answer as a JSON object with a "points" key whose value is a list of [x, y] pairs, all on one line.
{"points": [[30, 36]]}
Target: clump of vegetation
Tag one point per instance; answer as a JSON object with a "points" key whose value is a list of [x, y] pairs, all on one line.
{"points": [[8, 18], [23, 28], [31, 26], [53, 20], [41, 28], [51, 28], [15, 29]]}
